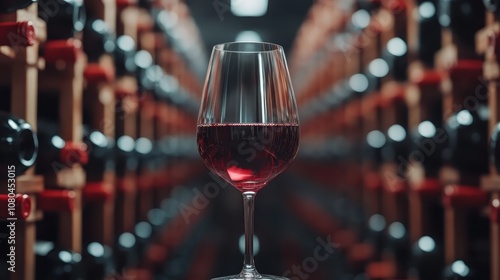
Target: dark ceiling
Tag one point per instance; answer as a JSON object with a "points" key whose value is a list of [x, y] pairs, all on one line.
{"points": [[279, 25]]}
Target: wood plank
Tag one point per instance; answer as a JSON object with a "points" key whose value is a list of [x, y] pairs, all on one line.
{"points": [[70, 110], [490, 183], [68, 178], [70, 226], [455, 235]]}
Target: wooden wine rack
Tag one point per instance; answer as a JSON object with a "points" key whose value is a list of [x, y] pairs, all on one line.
{"points": [[94, 211], [442, 87], [487, 44], [23, 64]]}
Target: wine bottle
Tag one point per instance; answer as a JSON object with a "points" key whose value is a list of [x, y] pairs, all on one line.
{"points": [[473, 254], [18, 145], [97, 39], [492, 6], [459, 270], [169, 90], [126, 157], [377, 70], [55, 152], [429, 140], [464, 18], [98, 261], [53, 263], [143, 232], [397, 144], [369, 5], [65, 19], [467, 131], [429, 31], [100, 154], [375, 143], [144, 150], [495, 147], [398, 244], [146, 72], [427, 259], [157, 218], [395, 56], [377, 226], [125, 51], [126, 251], [9, 6], [146, 4], [53, 202]]}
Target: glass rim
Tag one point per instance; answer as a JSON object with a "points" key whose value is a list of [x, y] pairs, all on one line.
{"points": [[222, 47]]}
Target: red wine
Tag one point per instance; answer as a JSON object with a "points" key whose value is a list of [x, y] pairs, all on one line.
{"points": [[248, 155]]}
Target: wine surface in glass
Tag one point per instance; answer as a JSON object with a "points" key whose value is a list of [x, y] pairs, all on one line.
{"points": [[248, 155]]}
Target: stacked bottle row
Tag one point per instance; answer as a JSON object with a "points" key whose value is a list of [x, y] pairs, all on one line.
{"points": [[399, 114], [97, 111]]}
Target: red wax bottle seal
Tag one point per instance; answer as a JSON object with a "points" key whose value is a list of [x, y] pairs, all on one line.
{"points": [[73, 153], [20, 208], [62, 50], [56, 200], [464, 197], [95, 73], [17, 34]]}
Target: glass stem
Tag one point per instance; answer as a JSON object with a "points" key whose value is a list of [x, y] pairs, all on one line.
{"points": [[248, 264]]}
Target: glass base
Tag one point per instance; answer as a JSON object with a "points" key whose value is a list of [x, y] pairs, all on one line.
{"points": [[260, 277]]}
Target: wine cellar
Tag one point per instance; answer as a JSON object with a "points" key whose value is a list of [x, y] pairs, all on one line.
{"points": [[103, 172]]}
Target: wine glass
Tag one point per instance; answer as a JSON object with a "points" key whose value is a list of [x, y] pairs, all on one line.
{"points": [[248, 126]]}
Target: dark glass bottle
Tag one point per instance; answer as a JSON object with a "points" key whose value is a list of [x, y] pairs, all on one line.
{"points": [[429, 140], [495, 147], [427, 259], [65, 19], [467, 131], [144, 150], [125, 51], [100, 154], [492, 6], [397, 145], [464, 18], [9, 6], [146, 72], [98, 261], [375, 144], [56, 153], [399, 245], [369, 5], [395, 55], [126, 157], [126, 251], [18, 145], [146, 4], [143, 233], [376, 232], [459, 270], [53, 263], [429, 31], [97, 39], [169, 90]]}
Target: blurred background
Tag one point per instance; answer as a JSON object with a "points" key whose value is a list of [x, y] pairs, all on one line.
{"points": [[396, 175]]}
